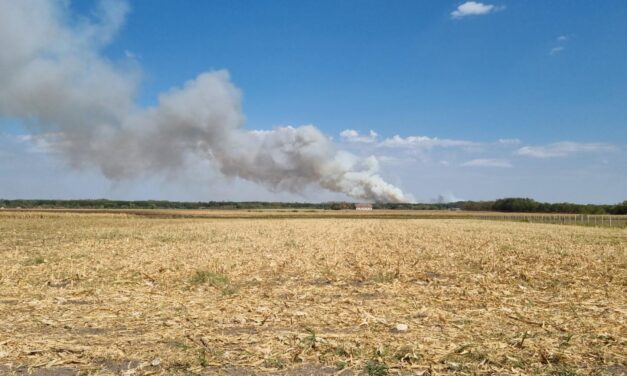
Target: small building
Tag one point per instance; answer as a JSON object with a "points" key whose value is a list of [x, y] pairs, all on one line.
{"points": [[363, 206]]}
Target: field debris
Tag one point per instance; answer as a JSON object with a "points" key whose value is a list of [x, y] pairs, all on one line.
{"points": [[401, 327], [131, 295]]}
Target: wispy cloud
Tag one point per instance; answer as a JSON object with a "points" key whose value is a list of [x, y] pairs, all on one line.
{"points": [[423, 142], [48, 143], [561, 45], [486, 162], [473, 8], [556, 50], [564, 149], [352, 135], [131, 55], [389, 159], [508, 141], [445, 152]]}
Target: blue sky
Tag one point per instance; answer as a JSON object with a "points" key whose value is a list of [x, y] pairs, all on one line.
{"points": [[450, 79], [399, 67]]}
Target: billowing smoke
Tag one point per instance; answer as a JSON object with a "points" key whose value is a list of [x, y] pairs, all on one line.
{"points": [[54, 78]]}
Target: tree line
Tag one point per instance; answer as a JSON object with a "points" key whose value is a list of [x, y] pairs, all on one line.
{"points": [[514, 204], [528, 205]]}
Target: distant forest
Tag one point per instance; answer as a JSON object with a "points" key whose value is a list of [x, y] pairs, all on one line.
{"points": [[525, 205]]}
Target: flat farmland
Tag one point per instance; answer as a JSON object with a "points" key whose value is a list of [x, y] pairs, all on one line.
{"points": [[128, 293]]}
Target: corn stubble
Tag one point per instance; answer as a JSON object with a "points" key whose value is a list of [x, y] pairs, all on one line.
{"points": [[93, 292]]}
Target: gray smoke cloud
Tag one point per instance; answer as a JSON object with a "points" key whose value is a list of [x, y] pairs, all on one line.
{"points": [[54, 78]]}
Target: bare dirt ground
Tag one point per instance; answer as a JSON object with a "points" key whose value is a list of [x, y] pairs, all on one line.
{"points": [[119, 293]]}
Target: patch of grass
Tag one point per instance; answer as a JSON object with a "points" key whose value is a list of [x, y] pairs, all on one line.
{"points": [[230, 289], [35, 260], [340, 351], [565, 342], [407, 354], [274, 363], [383, 276], [376, 368], [550, 357], [381, 351], [564, 370], [182, 346], [521, 341], [212, 278], [356, 352], [291, 243], [460, 349], [606, 339], [465, 355], [202, 359], [453, 366], [513, 361], [611, 370], [311, 338]]}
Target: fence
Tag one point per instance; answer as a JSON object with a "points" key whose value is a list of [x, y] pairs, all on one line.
{"points": [[595, 220]]}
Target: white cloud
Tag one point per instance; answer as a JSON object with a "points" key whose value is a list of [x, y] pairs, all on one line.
{"points": [[131, 55], [484, 162], [423, 142], [391, 160], [563, 149], [508, 141], [41, 143], [561, 45], [352, 135], [349, 133], [556, 50], [473, 8]]}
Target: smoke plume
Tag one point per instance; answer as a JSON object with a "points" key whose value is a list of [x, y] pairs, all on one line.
{"points": [[54, 78]]}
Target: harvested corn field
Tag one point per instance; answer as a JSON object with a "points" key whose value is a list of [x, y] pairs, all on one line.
{"points": [[125, 294]]}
